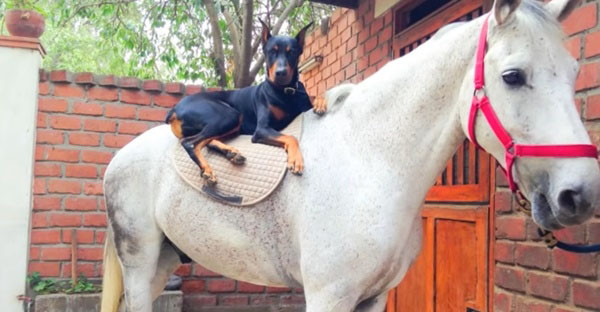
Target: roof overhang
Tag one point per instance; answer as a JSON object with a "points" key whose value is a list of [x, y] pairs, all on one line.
{"points": [[350, 4]]}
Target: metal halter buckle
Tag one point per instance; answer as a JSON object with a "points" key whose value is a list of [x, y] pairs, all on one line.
{"points": [[289, 90]]}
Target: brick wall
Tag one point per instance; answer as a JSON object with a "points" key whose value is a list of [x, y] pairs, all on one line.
{"points": [[528, 276], [82, 121]]}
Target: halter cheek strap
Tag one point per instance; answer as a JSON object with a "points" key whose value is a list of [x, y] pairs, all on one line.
{"points": [[512, 150]]}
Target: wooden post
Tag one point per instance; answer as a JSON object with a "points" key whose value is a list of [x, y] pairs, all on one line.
{"points": [[74, 257]]}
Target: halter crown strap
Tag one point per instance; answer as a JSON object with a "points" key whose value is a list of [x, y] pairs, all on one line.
{"points": [[513, 150]]}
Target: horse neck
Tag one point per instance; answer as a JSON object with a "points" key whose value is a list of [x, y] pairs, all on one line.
{"points": [[409, 117]]}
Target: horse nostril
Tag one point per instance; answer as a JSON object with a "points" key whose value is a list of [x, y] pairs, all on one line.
{"points": [[569, 200]]}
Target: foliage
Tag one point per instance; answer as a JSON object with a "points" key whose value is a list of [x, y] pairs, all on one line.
{"points": [[24, 5], [167, 40], [50, 286]]}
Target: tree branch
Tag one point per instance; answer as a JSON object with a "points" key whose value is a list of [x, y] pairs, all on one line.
{"points": [[243, 70], [217, 38], [234, 31]]}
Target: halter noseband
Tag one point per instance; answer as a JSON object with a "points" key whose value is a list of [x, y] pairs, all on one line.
{"points": [[512, 150]]}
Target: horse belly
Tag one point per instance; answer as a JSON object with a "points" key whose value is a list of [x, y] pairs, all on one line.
{"points": [[241, 243]]}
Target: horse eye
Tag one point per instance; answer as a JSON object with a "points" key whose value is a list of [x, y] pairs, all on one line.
{"points": [[514, 77]]}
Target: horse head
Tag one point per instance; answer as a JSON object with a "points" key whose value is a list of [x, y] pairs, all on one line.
{"points": [[529, 81]]}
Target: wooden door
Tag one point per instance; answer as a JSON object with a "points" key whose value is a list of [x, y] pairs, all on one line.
{"points": [[451, 272]]}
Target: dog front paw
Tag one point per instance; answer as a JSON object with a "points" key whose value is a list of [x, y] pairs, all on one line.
{"points": [[320, 107], [295, 163]]}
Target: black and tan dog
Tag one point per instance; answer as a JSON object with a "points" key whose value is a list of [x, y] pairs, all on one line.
{"points": [[205, 119]]}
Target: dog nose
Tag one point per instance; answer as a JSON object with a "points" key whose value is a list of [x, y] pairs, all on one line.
{"points": [[280, 72]]}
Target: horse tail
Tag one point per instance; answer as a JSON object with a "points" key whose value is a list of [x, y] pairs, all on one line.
{"points": [[169, 115], [112, 282], [336, 96]]}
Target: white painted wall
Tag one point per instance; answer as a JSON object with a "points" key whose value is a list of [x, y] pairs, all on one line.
{"points": [[19, 78]]}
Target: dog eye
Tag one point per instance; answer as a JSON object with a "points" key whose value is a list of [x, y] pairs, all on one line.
{"points": [[514, 77]]}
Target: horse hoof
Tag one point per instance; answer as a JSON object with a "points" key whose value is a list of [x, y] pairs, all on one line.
{"points": [[236, 158]]}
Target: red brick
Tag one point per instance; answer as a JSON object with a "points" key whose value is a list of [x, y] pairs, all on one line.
{"points": [[129, 82], [98, 125], [56, 253], [264, 300], [39, 220], [202, 272], [184, 270], [510, 278], [511, 228], [43, 75], [292, 299], [581, 19], [547, 286], [233, 300], [244, 287], [589, 76], [68, 90], [502, 302], [85, 269], [52, 105], [118, 141], [193, 286], [43, 88], [385, 34], [192, 301], [221, 285], [92, 188], [60, 76], [135, 97], [96, 157], [533, 256], [152, 85], [45, 236], [166, 100], [560, 309], [84, 139], [592, 44], [573, 45], [94, 219], [65, 219], [100, 236], [273, 290], [527, 305], [152, 114], [65, 122], [132, 127], [107, 80], [64, 187], [504, 251], [503, 201], [571, 235], [586, 295], [193, 89], [47, 170], [41, 203], [92, 109], [94, 253], [83, 236], [81, 203], [592, 108], [46, 269], [84, 78], [120, 111], [41, 120], [39, 186], [175, 87], [573, 263], [370, 44], [34, 253], [103, 94], [593, 232]]}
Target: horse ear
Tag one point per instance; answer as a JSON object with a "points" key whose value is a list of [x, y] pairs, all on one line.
{"points": [[266, 32], [302, 34], [561, 8], [504, 9]]}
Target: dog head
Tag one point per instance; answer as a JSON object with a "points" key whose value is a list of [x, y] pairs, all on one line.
{"points": [[282, 54]]}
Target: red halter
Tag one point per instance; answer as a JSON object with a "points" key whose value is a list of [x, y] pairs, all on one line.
{"points": [[512, 149]]}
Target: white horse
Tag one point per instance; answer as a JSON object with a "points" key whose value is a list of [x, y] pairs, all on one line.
{"points": [[349, 228]]}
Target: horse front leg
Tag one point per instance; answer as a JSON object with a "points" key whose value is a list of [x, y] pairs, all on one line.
{"points": [[328, 301]]}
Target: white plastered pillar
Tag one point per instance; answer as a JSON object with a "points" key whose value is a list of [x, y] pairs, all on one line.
{"points": [[20, 61]]}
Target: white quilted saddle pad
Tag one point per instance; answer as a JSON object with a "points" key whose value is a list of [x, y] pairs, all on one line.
{"points": [[239, 185]]}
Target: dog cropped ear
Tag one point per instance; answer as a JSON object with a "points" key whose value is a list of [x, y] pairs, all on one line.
{"points": [[302, 34], [266, 32]]}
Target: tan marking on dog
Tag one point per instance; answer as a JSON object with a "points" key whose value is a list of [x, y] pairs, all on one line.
{"points": [[277, 112], [175, 124], [272, 72], [290, 145]]}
